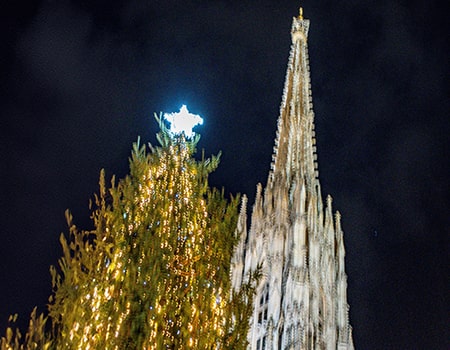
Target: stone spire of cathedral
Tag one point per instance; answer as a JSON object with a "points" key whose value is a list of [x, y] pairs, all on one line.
{"points": [[295, 150], [301, 300]]}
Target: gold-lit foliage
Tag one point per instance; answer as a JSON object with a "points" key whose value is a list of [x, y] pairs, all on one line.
{"points": [[35, 338], [155, 271]]}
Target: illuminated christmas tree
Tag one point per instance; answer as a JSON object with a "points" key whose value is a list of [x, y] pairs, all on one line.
{"points": [[155, 271]]}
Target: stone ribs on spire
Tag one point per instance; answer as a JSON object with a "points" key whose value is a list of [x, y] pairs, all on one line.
{"points": [[294, 151]]}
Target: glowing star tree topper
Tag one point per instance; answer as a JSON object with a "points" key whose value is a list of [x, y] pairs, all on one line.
{"points": [[183, 122]]}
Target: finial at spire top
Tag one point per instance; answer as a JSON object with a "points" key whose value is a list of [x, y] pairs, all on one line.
{"points": [[300, 13]]}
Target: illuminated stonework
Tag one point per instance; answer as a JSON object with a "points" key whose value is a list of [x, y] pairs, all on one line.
{"points": [[301, 301]]}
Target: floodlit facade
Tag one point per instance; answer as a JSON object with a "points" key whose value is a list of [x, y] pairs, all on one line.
{"points": [[301, 300]]}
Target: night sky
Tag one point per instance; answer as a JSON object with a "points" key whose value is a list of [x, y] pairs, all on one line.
{"points": [[80, 81]]}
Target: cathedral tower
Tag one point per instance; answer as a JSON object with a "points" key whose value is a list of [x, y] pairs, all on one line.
{"points": [[301, 300]]}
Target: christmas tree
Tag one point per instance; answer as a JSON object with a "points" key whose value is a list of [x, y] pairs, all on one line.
{"points": [[154, 273]]}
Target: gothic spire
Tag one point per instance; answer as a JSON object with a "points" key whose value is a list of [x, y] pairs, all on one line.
{"points": [[294, 151], [301, 300]]}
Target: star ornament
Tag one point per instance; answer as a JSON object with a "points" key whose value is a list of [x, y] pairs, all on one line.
{"points": [[183, 122]]}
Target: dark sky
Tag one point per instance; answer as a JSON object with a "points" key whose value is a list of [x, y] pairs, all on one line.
{"points": [[80, 81]]}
